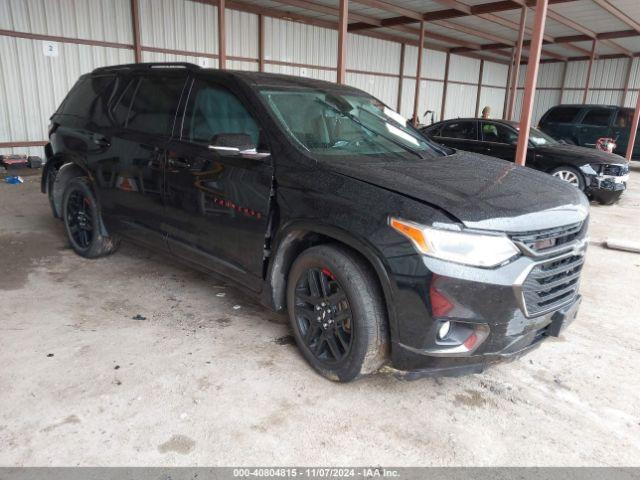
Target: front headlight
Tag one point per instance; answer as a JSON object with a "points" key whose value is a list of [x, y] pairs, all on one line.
{"points": [[479, 250]]}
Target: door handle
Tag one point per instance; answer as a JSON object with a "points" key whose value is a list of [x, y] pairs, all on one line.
{"points": [[101, 141], [179, 162]]}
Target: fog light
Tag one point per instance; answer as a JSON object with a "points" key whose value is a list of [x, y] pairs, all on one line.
{"points": [[444, 329]]}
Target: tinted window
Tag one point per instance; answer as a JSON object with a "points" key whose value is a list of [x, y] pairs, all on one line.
{"points": [[597, 117], [466, 130], [120, 110], [154, 104], [623, 119], [562, 115], [432, 131], [86, 95], [213, 110], [497, 133]]}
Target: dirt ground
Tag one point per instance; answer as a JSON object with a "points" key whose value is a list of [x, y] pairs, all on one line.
{"points": [[136, 360]]}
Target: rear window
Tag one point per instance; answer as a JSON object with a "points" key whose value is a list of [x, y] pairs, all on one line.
{"points": [[82, 99], [149, 104], [562, 115], [465, 130], [598, 117]]}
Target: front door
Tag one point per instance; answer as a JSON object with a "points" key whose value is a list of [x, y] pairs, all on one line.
{"points": [[498, 140], [217, 199]]}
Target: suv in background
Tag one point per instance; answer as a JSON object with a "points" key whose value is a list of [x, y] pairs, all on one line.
{"points": [[383, 247], [584, 124], [602, 176]]}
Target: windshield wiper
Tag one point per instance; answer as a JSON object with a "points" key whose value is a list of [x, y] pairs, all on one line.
{"points": [[355, 119]]}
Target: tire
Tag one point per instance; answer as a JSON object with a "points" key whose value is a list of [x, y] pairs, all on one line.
{"points": [[569, 175], [83, 222], [339, 321]]}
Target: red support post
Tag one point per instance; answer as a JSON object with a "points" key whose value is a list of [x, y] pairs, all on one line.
{"points": [[444, 87], [588, 82], [222, 36], [478, 93], [342, 40], [416, 96], [531, 81], [403, 47], [634, 130], [627, 82], [515, 66], [261, 43], [135, 23]]}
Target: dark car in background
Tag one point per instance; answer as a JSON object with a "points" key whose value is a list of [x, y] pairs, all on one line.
{"points": [[383, 247], [584, 125], [599, 174]]}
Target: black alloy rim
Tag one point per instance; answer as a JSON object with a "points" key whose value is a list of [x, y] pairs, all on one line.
{"points": [[323, 316], [80, 219]]}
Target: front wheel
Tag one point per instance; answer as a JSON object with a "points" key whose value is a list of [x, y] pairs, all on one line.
{"points": [[82, 221], [337, 313], [569, 175]]}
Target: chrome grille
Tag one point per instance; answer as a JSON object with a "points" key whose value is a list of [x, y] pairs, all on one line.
{"points": [[552, 284], [541, 240]]}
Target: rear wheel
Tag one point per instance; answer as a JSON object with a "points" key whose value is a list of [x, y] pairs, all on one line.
{"points": [[82, 221], [337, 313], [569, 175]]}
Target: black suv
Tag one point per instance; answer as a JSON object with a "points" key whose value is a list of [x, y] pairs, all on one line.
{"points": [[601, 175], [584, 125], [384, 248]]}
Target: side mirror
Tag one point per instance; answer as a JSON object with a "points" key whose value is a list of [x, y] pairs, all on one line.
{"points": [[236, 144]]}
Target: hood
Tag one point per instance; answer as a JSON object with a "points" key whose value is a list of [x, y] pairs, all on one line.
{"points": [[579, 155], [479, 191]]}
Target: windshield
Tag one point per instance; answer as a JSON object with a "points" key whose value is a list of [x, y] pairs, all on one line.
{"points": [[332, 123], [539, 138]]}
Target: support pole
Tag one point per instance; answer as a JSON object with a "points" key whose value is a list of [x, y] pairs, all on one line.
{"points": [[444, 87], [587, 83], [261, 43], [416, 96], [507, 89], [135, 23], [531, 81], [627, 82], [479, 87], [222, 36], [515, 66], [342, 40], [400, 77], [564, 80], [634, 130]]}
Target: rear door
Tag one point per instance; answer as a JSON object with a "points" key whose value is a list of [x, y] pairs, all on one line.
{"points": [[130, 171], [622, 129], [595, 124], [218, 199], [461, 135]]}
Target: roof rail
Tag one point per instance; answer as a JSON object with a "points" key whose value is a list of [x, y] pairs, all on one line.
{"points": [[146, 66]]}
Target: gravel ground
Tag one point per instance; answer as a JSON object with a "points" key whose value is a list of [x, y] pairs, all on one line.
{"points": [[137, 360]]}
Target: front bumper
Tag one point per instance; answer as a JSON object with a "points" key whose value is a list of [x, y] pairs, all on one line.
{"points": [[605, 188], [490, 300]]}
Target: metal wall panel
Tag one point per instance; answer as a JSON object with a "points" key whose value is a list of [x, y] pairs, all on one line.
{"points": [[572, 96], [179, 25], [632, 99], [634, 80], [32, 85], [295, 42], [433, 62], [545, 99], [494, 98], [328, 75], [430, 98], [604, 97], [576, 74], [372, 55], [464, 69], [383, 88], [242, 34], [550, 75], [204, 62], [461, 99], [495, 74], [609, 73], [108, 21]]}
